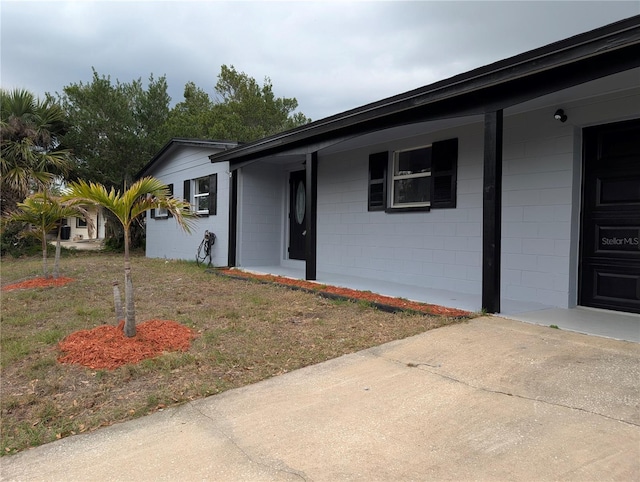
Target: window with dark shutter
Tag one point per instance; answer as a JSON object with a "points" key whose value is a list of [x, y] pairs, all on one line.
{"points": [[186, 191], [444, 174], [377, 198], [213, 194], [162, 213], [170, 186], [423, 178]]}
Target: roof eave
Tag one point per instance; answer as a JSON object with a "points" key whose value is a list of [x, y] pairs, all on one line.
{"points": [[598, 42]]}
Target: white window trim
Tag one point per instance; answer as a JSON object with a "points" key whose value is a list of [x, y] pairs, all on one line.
{"points": [[197, 195], [394, 178]]}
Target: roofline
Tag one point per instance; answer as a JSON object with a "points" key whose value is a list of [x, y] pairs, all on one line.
{"points": [[579, 48], [184, 142]]}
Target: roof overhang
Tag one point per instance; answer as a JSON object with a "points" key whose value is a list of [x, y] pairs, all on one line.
{"points": [[177, 143], [592, 55]]}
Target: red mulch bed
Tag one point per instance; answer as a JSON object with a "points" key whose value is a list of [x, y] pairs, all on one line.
{"points": [[38, 283], [106, 347], [386, 301]]}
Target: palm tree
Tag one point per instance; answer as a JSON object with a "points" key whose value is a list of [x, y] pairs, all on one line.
{"points": [[145, 194], [30, 157], [42, 213]]}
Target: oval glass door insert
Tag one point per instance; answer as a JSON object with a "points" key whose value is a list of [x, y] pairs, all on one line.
{"points": [[300, 203]]}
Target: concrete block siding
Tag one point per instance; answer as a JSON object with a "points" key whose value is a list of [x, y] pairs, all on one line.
{"points": [[442, 248], [164, 238], [436, 249], [260, 215]]}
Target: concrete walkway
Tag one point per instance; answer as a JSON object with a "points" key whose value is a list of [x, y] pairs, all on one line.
{"points": [[492, 399]]}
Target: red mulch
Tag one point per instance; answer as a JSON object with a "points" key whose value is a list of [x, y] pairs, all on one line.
{"points": [[354, 294], [38, 283], [106, 347]]}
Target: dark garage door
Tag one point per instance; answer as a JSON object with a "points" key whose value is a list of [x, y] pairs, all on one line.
{"points": [[610, 233]]}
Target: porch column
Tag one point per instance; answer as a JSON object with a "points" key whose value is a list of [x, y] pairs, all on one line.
{"points": [[492, 212], [311, 171], [233, 219]]}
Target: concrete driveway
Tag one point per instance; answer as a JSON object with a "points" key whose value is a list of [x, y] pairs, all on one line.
{"points": [[491, 399]]}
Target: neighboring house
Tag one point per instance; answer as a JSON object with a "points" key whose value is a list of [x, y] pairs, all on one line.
{"points": [[519, 180], [183, 164], [76, 229]]}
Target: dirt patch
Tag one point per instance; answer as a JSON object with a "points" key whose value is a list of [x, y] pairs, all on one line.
{"points": [[38, 283], [351, 294], [106, 347]]}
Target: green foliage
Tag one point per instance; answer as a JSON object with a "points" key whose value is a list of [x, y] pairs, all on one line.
{"points": [[242, 110], [12, 242], [115, 128], [30, 157]]}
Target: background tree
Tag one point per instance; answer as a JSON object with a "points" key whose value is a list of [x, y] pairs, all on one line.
{"points": [[30, 153], [246, 111], [115, 128], [193, 117], [42, 213], [242, 110], [145, 194]]}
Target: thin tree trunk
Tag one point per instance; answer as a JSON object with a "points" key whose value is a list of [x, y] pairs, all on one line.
{"points": [[45, 271], [56, 262], [44, 256], [130, 320], [117, 301]]}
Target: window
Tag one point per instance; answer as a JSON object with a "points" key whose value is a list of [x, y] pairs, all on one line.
{"points": [[205, 194], [411, 178], [421, 178], [81, 223], [162, 213]]}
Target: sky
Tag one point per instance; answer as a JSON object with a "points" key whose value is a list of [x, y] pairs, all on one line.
{"points": [[331, 56]]}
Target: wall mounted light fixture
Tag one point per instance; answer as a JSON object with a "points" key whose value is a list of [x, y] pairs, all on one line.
{"points": [[560, 115]]}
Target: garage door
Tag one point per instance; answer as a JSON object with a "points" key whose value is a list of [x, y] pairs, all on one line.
{"points": [[610, 232]]}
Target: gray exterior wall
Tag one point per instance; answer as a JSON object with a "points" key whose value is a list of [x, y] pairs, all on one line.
{"points": [[542, 164], [164, 238], [261, 194], [438, 249]]}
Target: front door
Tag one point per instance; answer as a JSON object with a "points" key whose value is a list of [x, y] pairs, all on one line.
{"points": [[610, 233], [297, 215]]}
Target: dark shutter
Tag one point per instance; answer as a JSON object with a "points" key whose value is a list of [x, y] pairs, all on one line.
{"points": [[213, 194], [186, 192], [377, 197], [153, 213], [444, 168], [170, 186]]}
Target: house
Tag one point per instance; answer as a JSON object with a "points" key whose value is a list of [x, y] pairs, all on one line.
{"points": [[516, 182], [183, 164], [78, 228]]}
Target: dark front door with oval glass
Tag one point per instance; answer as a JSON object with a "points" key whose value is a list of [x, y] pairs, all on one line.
{"points": [[610, 237], [297, 215]]}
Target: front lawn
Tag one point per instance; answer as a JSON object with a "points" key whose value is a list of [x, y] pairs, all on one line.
{"points": [[246, 332]]}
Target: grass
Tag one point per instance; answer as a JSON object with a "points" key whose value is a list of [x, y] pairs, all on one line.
{"points": [[247, 332]]}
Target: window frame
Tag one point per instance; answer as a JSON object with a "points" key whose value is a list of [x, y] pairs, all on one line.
{"points": [[190, 186], [442, 173], [162, 213], [197, 195], [419, 175]]}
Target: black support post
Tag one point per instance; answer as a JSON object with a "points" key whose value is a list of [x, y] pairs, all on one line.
{"points": [[311, 168], [233, 219], [492, 212]]}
